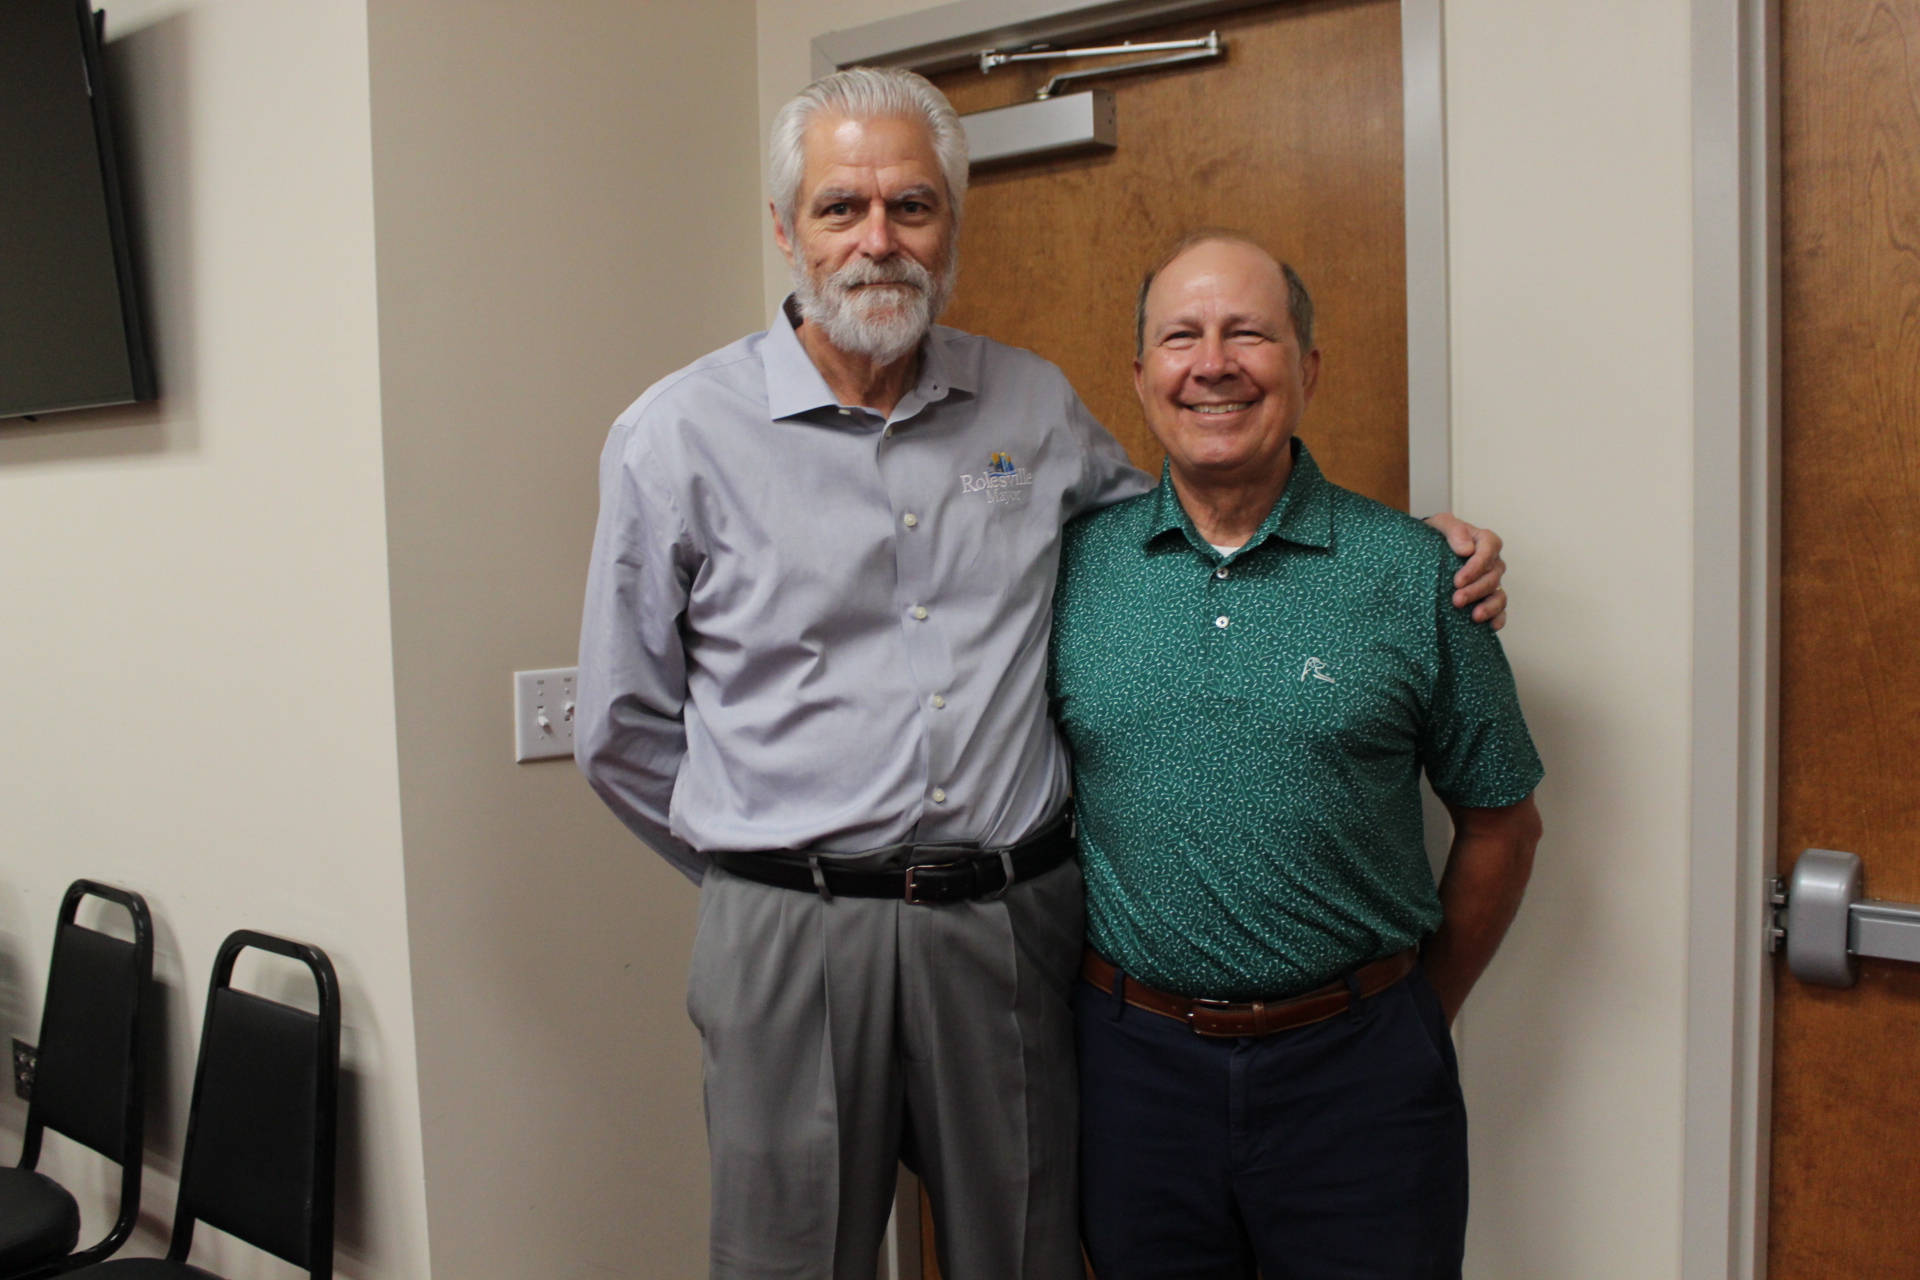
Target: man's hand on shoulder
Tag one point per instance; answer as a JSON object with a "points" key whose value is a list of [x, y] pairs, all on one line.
{"points": [[1478, 582]]}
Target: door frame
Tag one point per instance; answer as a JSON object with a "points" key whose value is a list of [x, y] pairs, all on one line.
{"points": [[952, 35], [1735, 549], [1736, 556]]}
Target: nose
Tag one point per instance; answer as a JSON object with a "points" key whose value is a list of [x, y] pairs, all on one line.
{"points": [[1212, 358], [877, 238]]}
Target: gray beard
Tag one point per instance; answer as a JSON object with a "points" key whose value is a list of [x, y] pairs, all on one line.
{"points": [[880, 325]]}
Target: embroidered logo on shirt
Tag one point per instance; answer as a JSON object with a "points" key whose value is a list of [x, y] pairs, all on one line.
{"points": [[1003, 481], [1317, 669]]}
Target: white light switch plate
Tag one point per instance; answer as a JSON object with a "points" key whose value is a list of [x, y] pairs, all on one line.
{"points": [[543, 696]]}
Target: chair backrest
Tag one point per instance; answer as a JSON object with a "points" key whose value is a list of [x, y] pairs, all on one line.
{"points": [[89, 1082], [260, 1132]]}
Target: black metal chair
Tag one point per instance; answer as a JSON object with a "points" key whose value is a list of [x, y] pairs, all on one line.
{"points": [[89, 1084], [260, 1132]]}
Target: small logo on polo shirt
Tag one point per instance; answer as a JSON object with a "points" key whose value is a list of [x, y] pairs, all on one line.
{"points": [[1317, 669], [1004, 481]]}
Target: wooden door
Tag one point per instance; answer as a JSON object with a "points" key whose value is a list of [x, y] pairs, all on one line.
{"points": [[1846, 1103], [1293, 137]]}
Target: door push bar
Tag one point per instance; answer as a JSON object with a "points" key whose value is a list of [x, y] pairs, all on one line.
{"points": [[1819, 915]]}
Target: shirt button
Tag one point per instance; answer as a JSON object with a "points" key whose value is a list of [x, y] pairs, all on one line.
{"points": [[920, 612], [1220, 621], [939, 796], [888, 433], [846, 413], [910, 520], [938, 702], [1222, 572]]}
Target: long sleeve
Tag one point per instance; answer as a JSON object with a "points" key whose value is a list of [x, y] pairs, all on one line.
{"points": [[629, 733], [1107, 476]]}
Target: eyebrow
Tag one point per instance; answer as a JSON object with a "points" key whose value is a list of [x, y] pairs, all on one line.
{"points": [[1244, 319], [834, 195]]}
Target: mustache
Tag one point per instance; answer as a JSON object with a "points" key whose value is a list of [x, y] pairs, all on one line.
{"points": [[865, 271]]}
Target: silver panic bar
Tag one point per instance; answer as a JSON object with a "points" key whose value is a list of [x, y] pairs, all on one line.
{"points": [[991, 58], [1826, 924]]}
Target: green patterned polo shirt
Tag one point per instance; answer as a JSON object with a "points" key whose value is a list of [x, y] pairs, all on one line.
{"points": [[1248, 733]]}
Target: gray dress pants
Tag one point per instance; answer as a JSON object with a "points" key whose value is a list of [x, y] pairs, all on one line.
{"points": [[843, 1036]]}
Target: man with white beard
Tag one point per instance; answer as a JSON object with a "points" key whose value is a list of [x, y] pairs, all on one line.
{"points": [[813, 677]]}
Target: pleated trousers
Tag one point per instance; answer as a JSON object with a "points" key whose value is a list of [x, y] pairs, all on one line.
{"points": [[843, 1036]]}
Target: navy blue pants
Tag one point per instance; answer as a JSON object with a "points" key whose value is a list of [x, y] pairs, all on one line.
{"points": [[1333, 1151]]}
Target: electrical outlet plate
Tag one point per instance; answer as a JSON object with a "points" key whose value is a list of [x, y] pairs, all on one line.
{"points": [[25, 1058], [543, 714]]}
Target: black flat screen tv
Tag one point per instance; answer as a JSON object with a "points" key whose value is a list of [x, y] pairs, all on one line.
{"points": [[70, 330]]}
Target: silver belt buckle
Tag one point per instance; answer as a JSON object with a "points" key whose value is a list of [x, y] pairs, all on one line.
{"points": [[911, 891], [1199, 1008]]}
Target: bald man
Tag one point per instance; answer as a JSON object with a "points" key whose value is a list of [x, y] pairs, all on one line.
{"points": [[1252, 668]]}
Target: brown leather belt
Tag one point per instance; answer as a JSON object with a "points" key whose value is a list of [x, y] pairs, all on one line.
{"points": [[1257, 1017]]}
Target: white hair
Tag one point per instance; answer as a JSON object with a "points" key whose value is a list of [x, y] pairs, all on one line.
{"points": [[863, 93]]}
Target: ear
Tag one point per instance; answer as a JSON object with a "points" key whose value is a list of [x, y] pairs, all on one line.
{"points": [[1140, 381], [1309, 375], [780, 234]]}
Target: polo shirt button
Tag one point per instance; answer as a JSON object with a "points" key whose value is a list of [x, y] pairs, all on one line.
{"points": [[938, 702], [910, 520], [920, 612], [846, 413], [1220, 621], [939, 796], [1222, 572]]}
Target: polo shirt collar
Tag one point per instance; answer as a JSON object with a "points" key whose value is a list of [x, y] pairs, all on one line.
{"points": [[1303, 515], [795, 387]]}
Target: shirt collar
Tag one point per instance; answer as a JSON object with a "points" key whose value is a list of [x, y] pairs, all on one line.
{"points": [[794, 385], [1303, 515]]}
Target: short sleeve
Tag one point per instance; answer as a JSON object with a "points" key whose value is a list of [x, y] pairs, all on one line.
{"points": [[1474, 743]]}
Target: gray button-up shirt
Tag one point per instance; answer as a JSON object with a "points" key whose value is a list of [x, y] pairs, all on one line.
{"points": [[809, 628]]}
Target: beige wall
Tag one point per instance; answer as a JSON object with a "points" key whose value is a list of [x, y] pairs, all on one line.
{"points": [[565, 197], [195, 627], [1570, 204], [262, 646], [1570, 193]]}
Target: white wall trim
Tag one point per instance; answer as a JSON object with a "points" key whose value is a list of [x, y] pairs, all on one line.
{"points": [[1735, 613], [949, 35], [1429, 316]]}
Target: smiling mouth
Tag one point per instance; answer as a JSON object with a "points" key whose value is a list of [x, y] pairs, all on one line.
{"points": [[1232, 406]]}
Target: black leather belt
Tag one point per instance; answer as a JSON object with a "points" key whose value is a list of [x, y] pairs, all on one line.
{"points": [[969, 877]]}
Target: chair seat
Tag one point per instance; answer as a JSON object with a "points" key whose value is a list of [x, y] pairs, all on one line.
{"points": [[39, 1221], [142, 1269]]}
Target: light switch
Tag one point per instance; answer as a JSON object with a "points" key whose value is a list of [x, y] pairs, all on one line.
{"points": [[543, 714]]}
